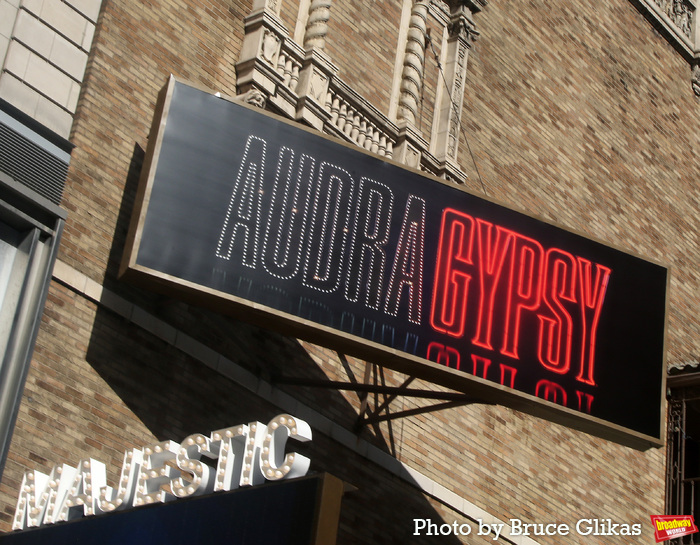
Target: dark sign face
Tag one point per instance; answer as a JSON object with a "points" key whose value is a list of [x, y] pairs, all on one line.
{"points": [[255, 214]]}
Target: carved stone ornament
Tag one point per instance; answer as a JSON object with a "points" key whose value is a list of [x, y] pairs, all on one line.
{"points": [[680, 12], [254, 97], [270, 47], [318, 86], [317, 24], [695, 81], [413, 63], [442, 6], [464, 29], [412, 157], [456, 99]]}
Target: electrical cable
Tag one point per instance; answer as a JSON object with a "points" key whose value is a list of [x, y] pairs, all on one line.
{"points": [[459, 118]]}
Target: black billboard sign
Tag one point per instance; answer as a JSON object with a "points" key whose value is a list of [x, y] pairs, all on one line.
{"points": [[281, 225]]}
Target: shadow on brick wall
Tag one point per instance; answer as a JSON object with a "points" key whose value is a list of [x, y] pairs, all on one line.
{"points": [[169, 394]]}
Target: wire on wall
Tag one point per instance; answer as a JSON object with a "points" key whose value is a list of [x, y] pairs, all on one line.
{"points": [[454, 105]]}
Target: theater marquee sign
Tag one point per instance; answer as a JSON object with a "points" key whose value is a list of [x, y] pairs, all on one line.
{"points": [[260, 218]]}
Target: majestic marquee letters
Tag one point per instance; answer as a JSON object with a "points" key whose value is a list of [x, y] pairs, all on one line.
{"points": [[243, 455]]}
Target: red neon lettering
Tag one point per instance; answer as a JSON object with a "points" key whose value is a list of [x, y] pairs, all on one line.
{"points": [[591, 295], [449, 306], [445, 355], [492, 256], [551, 391], [508, 375], [515, 274], [478, 361], [554, 341], [585, 401], [524, 291]]}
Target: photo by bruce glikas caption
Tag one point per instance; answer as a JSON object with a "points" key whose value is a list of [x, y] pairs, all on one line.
{"points": [[516, 528]]}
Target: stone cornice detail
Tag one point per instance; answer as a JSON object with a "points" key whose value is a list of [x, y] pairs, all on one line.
{"points": [[303, 84], [679, 21]]}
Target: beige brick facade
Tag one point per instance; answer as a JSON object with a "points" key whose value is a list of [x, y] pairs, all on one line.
{"points": [[580, 113]]}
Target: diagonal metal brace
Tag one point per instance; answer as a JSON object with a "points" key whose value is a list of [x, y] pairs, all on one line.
{"points": [[369, 388], [449, 399], [375, 417]]}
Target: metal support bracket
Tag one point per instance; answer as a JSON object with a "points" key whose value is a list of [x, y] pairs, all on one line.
{"points": [[378, 387]]}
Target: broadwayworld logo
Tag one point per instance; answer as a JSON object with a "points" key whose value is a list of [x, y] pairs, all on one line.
{"points": [[669, 526]]}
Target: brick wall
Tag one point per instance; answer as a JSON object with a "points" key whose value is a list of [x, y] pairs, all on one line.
{"points": [[578, 112]]}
